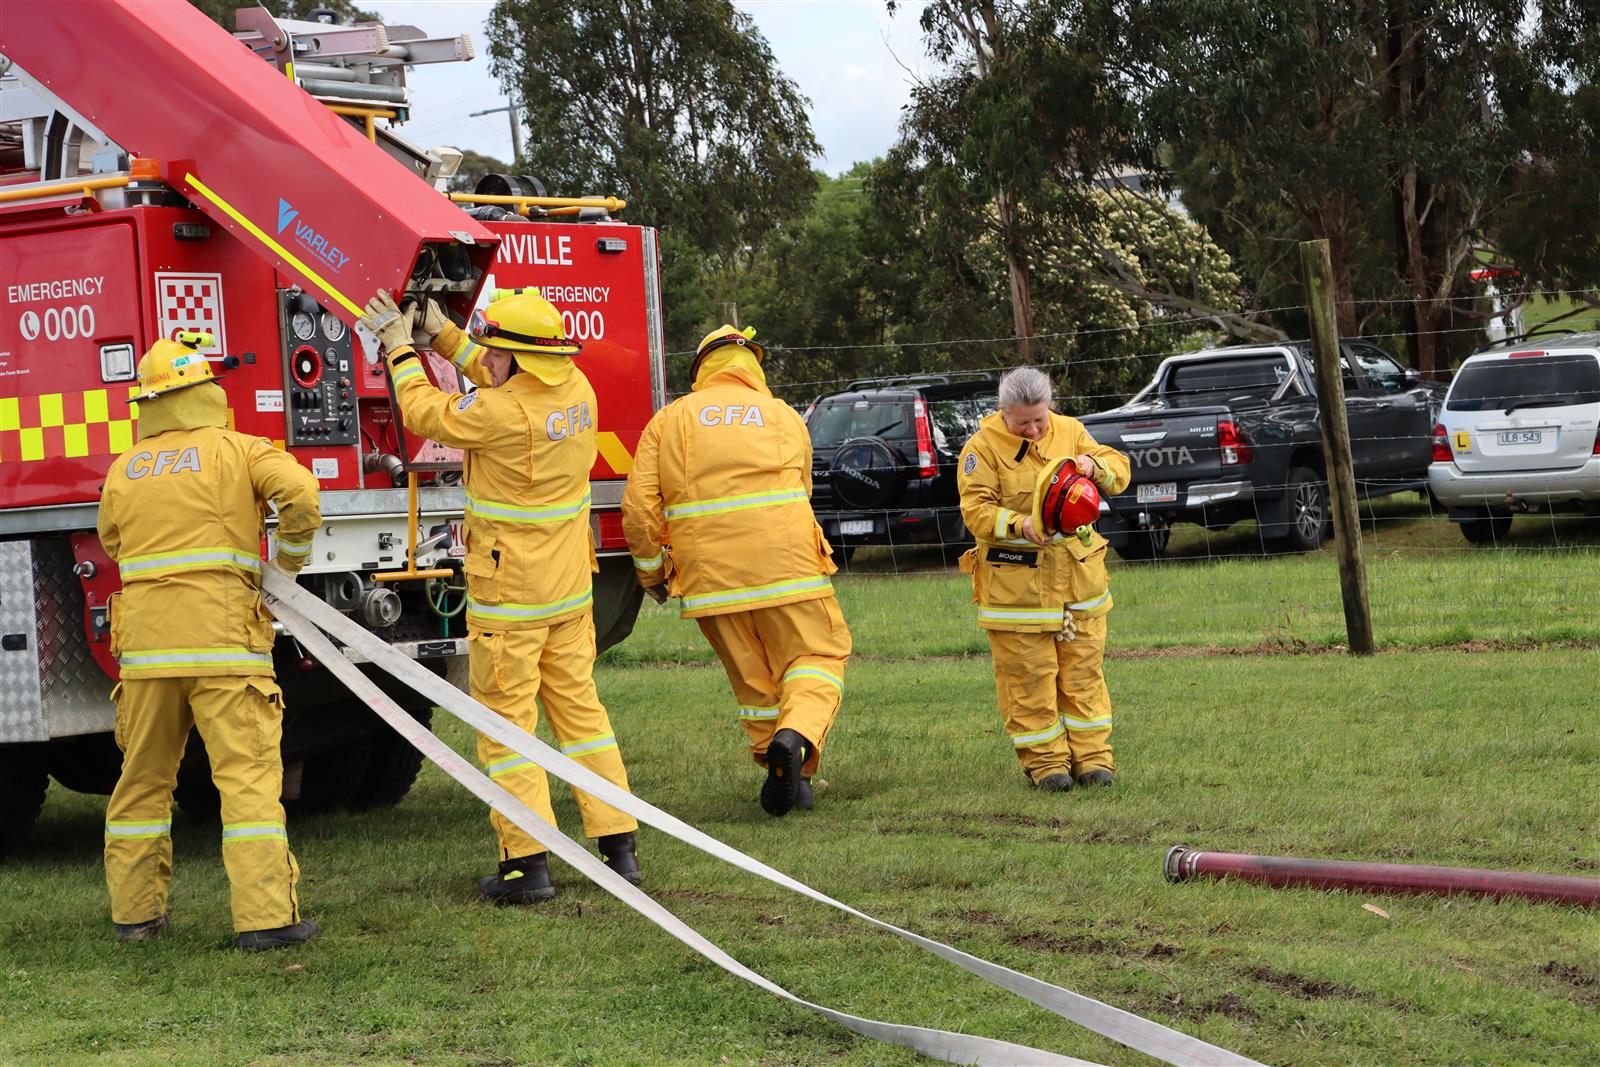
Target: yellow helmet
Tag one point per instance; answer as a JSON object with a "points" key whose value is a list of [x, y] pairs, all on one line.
{"points": [[171, 365], [726, 335], [521, 320]]}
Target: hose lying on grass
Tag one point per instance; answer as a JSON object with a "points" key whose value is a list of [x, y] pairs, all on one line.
{"points": [[305, 616], [1183, 864]]}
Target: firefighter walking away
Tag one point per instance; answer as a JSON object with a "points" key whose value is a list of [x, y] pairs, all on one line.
{"points": [[529, 438], [181, 515], [718, 512]]}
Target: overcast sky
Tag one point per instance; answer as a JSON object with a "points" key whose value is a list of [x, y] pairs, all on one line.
{"points": [[847, 56]]}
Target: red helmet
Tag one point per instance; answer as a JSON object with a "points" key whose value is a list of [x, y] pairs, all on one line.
{"points": [[1066, 499]]}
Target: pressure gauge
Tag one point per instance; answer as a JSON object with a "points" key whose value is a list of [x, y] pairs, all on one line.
{"points": [[303, 325], [332, 328]]}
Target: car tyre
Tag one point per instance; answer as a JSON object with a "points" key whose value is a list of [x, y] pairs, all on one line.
{"points": [[1490, 527], [866, 474], [1310, 523], [1146, 544], [392, 769], [23, 782]]}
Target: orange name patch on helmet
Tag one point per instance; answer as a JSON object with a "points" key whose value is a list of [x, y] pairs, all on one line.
{"points": [[1068, 501]]}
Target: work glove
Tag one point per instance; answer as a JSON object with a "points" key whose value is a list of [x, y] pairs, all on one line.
{"points": [[1069, 627], [657, 592], [427, 320], [388, 323]]}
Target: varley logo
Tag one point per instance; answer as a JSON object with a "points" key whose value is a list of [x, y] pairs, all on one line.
{"points": [[308, 238]]}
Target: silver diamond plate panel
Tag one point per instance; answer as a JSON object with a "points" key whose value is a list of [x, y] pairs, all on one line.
{"points": [[21, 706], [76, 693]]}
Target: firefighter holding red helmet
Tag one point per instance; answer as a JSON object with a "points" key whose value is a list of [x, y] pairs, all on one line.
{"points": [[529, 438], [1031, 482]]}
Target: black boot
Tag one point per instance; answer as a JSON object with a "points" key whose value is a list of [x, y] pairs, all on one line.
{"points": [[804, 798], [618, 852], [142, 931], [1060, 782], [786, 754], [281, 937], [524, 880], [1099, 776]]}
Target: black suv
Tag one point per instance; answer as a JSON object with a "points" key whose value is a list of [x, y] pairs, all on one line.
{"points": [[884, 452]]}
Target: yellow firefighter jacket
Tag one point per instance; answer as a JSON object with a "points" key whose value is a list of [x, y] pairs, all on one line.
{"points": [[1016, 584], [529, 448], [453, 343], [182, 515], [718, 504]]}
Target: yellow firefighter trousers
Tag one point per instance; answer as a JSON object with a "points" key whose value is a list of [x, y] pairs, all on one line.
{"points": [[241, 720], [1054, 700], [786, 665], [514, 672]]}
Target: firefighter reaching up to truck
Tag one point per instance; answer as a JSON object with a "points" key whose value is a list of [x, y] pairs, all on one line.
{"points": [[181, 515], [718, 511], [529, 443], [1030, 482]]}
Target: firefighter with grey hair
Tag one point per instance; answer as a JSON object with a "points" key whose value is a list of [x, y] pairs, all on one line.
{"points": [[1042, 591]]}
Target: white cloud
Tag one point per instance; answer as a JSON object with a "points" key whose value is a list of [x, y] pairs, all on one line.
{"points": [[849, 57]]}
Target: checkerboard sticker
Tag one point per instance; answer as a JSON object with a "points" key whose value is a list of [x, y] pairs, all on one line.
{"points": [[191, 302]]}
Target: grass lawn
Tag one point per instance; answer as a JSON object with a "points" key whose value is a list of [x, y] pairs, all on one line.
{"points": [[1428, 755]]}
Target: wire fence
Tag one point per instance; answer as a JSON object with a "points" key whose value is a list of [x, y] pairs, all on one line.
{"points": [[1514, 564]]}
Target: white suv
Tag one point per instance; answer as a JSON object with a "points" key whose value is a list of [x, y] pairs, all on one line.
{"points": [[1519, 432]]}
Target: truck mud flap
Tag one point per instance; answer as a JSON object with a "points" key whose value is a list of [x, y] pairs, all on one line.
{"points": [[307, 617]]}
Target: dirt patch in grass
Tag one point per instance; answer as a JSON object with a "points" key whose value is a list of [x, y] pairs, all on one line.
{"points": [[1584, 984], [1297, 986], [1230, 1004], [1072, 943], [1160, 951], [1304, 648], [981, 918]]}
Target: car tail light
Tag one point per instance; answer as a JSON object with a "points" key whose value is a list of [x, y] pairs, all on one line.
{"points": [[608, 529], [924, 439], [1597, 440], [1233, 444], [1441, 445]]}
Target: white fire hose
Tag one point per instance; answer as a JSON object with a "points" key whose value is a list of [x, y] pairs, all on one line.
{"points": [[305, 616]]}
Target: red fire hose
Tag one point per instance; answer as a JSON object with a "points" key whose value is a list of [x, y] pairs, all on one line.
{"points": [[1184, 863]]}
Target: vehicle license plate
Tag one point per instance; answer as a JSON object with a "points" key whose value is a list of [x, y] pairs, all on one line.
{"points": [[848, 527], [1157, 493], [1520, 437]]}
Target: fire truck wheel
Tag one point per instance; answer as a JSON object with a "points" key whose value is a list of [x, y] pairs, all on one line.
{"points": [[22, 784], [329, 779], [90, 763], [392, 769]]}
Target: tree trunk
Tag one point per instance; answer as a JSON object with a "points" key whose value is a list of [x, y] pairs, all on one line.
{"points": [[1017, 269]]}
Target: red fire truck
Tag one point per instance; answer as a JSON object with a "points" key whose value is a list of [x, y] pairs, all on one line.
{"points": [[158, 174]]}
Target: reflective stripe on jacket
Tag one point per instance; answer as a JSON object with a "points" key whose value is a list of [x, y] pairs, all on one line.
{"points": [[718, 504], [181, 514], [1017, 584], [529, 447]]}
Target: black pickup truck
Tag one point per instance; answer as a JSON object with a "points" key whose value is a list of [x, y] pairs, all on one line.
{"points": [[1233, 433]]}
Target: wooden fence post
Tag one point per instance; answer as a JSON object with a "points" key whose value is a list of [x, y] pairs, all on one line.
{"points": [[1336, 445]]}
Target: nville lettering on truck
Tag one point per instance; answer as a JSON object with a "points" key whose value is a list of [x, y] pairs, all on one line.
{"points": [[1231, 434], [256, 197]]}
